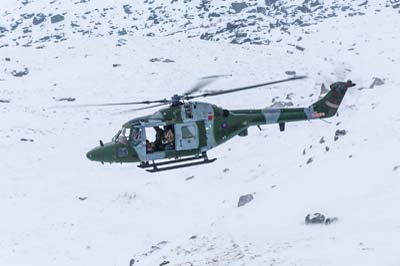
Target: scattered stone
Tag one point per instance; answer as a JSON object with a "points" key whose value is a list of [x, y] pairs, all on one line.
{"points": [[351, 156], [189, 178], [377, 82], [193, 237], [281, 104], [304, 151], [127, 9], [22, 73], [82, 198], [165, 262], [339, 133], [243, 200], [26, 140], [122, 32], [322, 140], [163, 60], [225, 170], [131, 262], [315, 218], [116, 65], [39, 18], [318, 218], [7, 59], [331, 220], [3, 30], [299, 48], [67, 99], [290, 73], [56, 18], [4, 101], [397, 167], [310, 160], [327, 148], [238, 6]]}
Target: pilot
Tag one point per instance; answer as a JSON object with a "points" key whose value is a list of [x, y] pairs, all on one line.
{"points": [[169, 138], [158, 142]]}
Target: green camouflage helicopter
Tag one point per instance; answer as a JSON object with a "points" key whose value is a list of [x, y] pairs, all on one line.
{"points": [[186, 130]]}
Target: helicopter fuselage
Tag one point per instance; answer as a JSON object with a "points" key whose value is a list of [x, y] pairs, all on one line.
{"points": [[198, 127]]}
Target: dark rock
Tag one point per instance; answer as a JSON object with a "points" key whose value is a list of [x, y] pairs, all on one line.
{"points": [[339, 133], [225, 170], [3, 30], [16, 73], [396, 167], [131, 262], [270, 2], [165, 262], [331, 220], [299, 48], [27, 16], [68, 99], [322, 140], [116, 65], [238, 6], [168, 61], [315, 218], [327, 148], [281, 104], [189, 177], [127, 9], [122, 32], [15, 25], [39, 18], [193, 237], [56, 18], [26, 140], [377, 82], [290, 72], [82, 198], [243, 200], [4, 101], [310, 160]]}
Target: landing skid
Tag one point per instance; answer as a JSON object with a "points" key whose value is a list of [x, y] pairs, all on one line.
{"points": [[175, 164]]}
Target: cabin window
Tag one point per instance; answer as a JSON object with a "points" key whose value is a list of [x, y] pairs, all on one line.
{"points": [[188, 132]]}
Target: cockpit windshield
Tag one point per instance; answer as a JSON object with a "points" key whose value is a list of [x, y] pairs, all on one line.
{"points": [[122, 136]]}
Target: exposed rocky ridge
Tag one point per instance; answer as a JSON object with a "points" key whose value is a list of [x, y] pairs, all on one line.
{"points": [[30, 22]]}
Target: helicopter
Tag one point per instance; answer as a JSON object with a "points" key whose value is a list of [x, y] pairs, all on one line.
{"points": [[186, 130]]}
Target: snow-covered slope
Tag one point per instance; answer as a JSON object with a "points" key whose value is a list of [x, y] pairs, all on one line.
{"points": [[61, 209]]}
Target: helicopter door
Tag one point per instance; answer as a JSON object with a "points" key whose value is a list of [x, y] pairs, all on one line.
{"points": [[138, 142], [186, 136]]}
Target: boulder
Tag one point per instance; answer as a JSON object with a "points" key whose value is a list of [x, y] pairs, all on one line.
{"points": [[243, 200], [56, 18]]}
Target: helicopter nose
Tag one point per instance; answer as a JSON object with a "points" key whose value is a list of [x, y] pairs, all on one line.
{"points": [[101, 154]]}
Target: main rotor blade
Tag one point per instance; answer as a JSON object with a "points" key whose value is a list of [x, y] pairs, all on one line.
{"points": [[243, 88], [164, 101], [141, 108], [205, 81]]}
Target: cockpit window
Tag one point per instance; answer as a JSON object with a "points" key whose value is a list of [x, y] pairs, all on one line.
{"points": [[122, 136]]}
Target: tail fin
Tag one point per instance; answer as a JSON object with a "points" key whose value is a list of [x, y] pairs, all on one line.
{"points": [[329, 104]]}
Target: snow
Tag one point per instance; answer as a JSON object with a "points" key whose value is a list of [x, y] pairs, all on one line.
{"points": [[127, 210]]}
